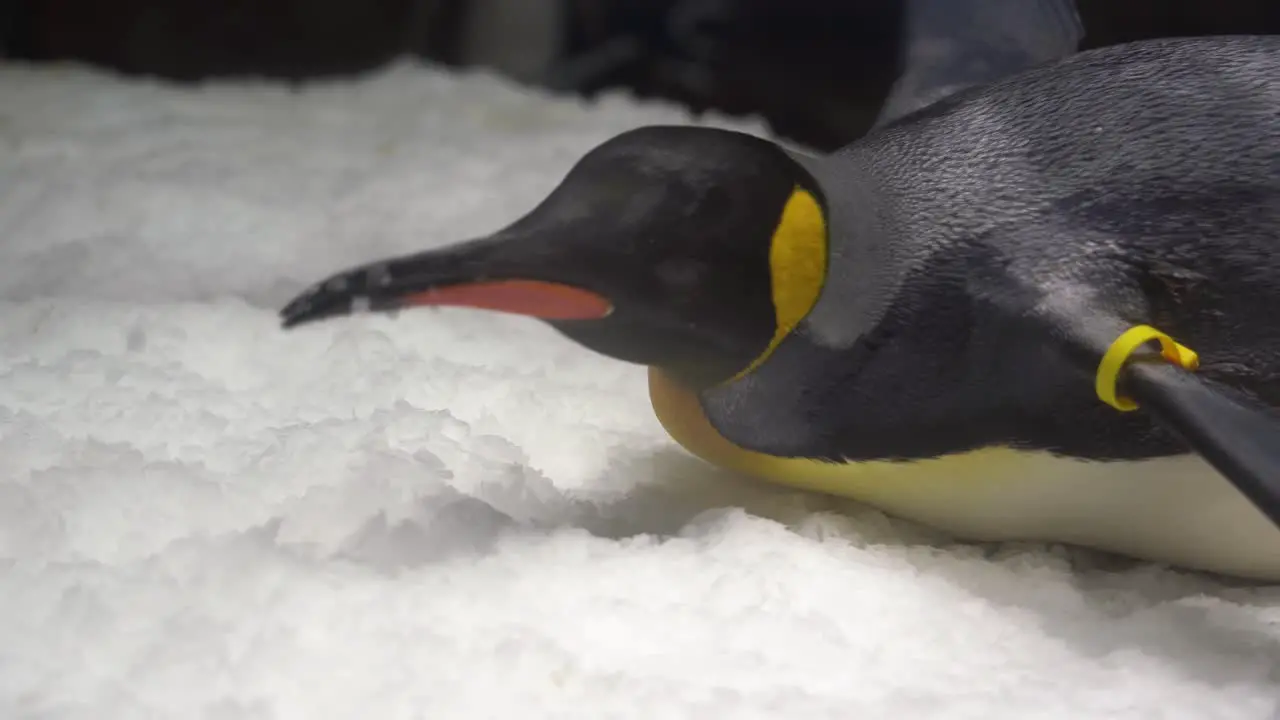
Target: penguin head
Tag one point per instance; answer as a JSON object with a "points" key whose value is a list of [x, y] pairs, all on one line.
{"points": [[692, 250]]}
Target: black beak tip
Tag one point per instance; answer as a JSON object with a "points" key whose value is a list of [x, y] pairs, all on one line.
{"points": [[290, 319], [341, 295], [298, 312], [317, 303]]}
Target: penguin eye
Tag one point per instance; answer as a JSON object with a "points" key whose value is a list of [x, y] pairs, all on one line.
{"points": [[680, 273], [716, 202]]}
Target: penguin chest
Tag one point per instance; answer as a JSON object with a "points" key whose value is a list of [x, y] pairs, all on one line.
{"points": [[1171, 510]]}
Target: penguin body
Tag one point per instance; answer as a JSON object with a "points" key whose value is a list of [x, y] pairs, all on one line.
{"points": [[1043, 309]]}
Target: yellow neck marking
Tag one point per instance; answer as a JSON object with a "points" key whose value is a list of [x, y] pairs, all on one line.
{"points": [[797, 267]]}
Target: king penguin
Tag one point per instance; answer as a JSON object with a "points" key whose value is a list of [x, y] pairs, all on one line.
{"points": [[1044, 309]]}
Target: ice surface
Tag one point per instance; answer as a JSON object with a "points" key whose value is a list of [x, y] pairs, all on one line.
{"points": [[453, 514]]}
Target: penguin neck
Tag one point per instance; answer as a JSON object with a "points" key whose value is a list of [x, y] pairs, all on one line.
{"points": [[867, 264]]}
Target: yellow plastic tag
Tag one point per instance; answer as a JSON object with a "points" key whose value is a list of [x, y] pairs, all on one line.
{"points": [[1124, 346]]}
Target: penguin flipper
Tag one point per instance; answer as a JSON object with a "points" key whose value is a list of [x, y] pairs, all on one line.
{"points": [[948, 46], [1238, 436]]}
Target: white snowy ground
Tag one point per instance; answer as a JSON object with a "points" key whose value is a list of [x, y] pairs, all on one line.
{"points": [[454, 514]]}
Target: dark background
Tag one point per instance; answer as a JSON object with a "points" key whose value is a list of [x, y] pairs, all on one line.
{"points": [[818, 70]]}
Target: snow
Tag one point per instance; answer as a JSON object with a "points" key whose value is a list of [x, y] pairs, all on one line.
{"points": [[452, 514]]}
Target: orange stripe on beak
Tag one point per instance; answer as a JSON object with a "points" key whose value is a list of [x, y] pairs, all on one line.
{"points": [[534, 298]]}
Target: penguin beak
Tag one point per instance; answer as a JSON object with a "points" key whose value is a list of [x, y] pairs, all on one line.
{"points": [[458, 276]]}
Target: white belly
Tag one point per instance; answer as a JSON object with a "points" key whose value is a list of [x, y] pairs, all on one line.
{"points": [[1172, 510]]}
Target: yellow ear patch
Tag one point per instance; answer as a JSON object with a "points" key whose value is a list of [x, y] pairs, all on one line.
{"points": [[797, 266]]}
